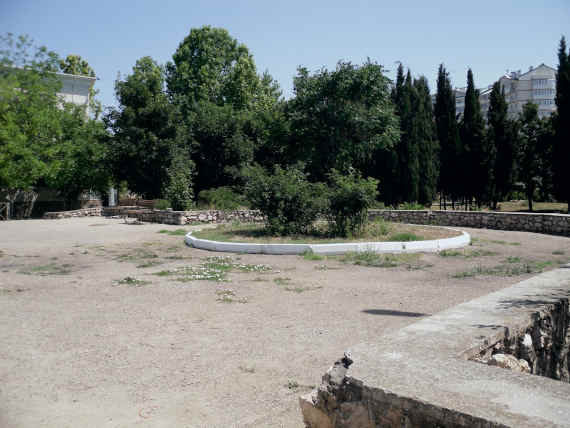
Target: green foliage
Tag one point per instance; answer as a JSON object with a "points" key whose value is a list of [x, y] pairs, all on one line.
{"points": [[501, 138], [290, 203], [162, 204], [411, 206], [144, 127], [448, 137], [221, 198], [210, 66], [221, 146], [340, 118], [350, 196], [561, 149], [179, 189], [476, 174], [530, 135]]}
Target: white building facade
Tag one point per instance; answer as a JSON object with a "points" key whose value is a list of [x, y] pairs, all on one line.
{"points": [[76, 89], [537, 85]]}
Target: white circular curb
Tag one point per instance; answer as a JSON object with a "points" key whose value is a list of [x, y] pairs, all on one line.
{"points": [[430, 246]]}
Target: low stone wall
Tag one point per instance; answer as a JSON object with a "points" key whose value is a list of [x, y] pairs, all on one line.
{"points": [[84, 212], [424, 375], [552, 224], [184, 217]]}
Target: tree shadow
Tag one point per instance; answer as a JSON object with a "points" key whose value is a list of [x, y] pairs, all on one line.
{"points": [[394, 313]]}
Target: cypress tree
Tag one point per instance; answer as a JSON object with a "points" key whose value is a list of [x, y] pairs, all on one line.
{"points": [[501, 140], [448, 137], [424, 135], [561, 149], [472, 137], [408, 153], [530, 128]]}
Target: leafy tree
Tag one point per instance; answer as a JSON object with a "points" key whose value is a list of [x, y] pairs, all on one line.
{"points": [[29, 116], [81, 154], [450, 147], [179, 188], [221, 147], [529, 140], [74, 64], [211, 66], [472, 136], [424, 135], [561, 150], [501, 138], [340, 118], [144, 127], [288, 200], [350, 196]]}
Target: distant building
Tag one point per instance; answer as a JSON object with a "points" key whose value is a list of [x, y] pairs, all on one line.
{"points": [[76, 89], [537, 85]]}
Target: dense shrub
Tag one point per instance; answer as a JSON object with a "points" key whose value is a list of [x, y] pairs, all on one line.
{"points": [[162, 204], [290, 203], [221, 198], [179, 189], [350, 196]]}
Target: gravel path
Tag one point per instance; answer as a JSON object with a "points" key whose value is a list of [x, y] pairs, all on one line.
{"points": [[81, 348]]}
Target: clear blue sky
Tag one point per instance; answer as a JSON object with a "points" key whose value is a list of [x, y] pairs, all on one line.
{"points": [[488, 36]]}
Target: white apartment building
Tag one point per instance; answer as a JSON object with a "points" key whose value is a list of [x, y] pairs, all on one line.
{"points": [[537, 85], [75, 88]]}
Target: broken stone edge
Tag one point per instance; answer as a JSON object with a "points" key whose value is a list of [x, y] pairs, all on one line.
{"points": [[429, 246], [420, 375]]}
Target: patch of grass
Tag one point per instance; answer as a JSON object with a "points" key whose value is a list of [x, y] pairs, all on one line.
{"points": [[149, 264], [246, 369], [50, 269], [310, 255], [251, 268], [515, 267], [177, 232], [405, 237], [558, 253], [370, 258], [132, 281], [228, 296], [164, 273], [512, 259], [136, 255], [296, 289], [450, 253], [258, 279], [281, 280], [479, 253]]}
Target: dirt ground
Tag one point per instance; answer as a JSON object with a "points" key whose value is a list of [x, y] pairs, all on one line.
{"points": [[90, 337]]}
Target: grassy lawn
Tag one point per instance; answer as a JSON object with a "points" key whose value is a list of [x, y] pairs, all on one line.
{"points": [[377, 231]]}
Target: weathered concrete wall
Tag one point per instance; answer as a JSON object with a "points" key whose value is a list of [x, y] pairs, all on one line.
{"points": [[541, 348], [84, 212], [553, 224], [421, 375], [184, 217]]}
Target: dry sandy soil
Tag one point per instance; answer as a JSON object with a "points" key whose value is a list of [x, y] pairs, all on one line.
{"points": [[78, 348]]}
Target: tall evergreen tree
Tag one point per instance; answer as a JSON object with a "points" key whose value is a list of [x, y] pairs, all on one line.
{"points": [[448, 136], [561, 150], [472, 136], [408, 163], [424, 135], [501, 140], [530, 129]]}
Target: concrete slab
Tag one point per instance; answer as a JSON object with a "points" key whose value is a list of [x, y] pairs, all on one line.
{"points": [[423, 371]]}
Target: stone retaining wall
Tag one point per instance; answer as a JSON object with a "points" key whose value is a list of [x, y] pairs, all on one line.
{"points": [[84, 212], [184, 217], [553, 224]]}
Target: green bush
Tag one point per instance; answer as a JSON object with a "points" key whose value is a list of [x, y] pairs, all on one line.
{"points": [[162, 204], [221, 198], [290, 203], [411, 206], [350, 196], [179, 189]]}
